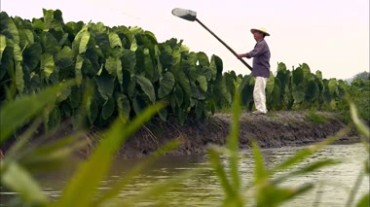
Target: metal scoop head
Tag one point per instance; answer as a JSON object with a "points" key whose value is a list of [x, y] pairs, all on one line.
{"points": [[185, 14]]}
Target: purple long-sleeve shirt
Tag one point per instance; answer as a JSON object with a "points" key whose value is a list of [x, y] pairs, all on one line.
{"points": [[261, 59]]}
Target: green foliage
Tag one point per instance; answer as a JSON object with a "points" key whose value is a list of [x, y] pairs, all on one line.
{"points": [[359, 93], [296, 90], [14, 114], [121, 61]]}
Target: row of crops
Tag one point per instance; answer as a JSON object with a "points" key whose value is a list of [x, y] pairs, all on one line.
{"points": [[121, 70]]}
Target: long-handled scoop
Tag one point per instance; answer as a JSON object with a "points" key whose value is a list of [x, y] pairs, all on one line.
{"points": [[192, 16]]}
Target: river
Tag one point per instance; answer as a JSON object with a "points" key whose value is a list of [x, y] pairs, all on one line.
{"points": [[333, 183]]}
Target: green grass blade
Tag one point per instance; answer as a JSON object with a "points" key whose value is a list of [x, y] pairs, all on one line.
{"points": [[364, 201], [51, 156], [19, 180], [260, 172], [361, 127], [275, 196], [306, 169], [16, 149], [14, 114], [83, 186], [355, 189], [315, 166], [233, 142], [304, 153], [216, 163], [161, 188], [127, 178]]}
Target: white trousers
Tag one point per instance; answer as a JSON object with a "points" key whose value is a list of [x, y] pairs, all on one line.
{"points": [[259, 94]]}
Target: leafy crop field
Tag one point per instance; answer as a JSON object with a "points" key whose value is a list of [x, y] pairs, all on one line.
{"points": [[121, 70]]}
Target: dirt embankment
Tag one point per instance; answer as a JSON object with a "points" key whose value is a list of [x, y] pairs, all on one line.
{"points": [[275, 129]]}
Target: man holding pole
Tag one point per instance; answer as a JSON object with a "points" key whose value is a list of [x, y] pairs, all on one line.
{"points": [[261, 68]]}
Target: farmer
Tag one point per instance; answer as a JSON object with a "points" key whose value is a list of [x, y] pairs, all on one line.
{"points": [[261, 68]]}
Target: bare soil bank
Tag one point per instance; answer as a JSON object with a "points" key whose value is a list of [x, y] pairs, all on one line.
{"points": [[276, 129]]}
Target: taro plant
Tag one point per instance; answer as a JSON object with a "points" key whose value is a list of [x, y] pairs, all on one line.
{"points": [[126, 65]]}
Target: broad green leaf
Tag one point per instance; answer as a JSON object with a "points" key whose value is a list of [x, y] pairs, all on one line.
{"points": [[312, 91], [20, 181], [226, 93], [53, 119], [78, 67], [306, 69], [32, 55], [81, 40], [298, 76], [49, 43], [108, 108], [216, 66], [105, 85], [319, 74], [2, 45], [138, 104], [163, 114], [133, 46], [114, 40], [19, 75], [92, 112], [203, 83], [64, 58], [27, 37], [166, 84], [203, 59], [47, 64], [149, 68], [100, 161], [13, 30], [129, 60], [114, 67], [131, 88], [85, 37], [183, 81], [176, 57], [48, 18], [147, 87], [298, 93], [75, 97], [270, 84], [124, 107], [14, 114], [332, 84]]}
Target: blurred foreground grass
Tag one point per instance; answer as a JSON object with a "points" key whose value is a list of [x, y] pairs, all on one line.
{"points": [[21, 161]]}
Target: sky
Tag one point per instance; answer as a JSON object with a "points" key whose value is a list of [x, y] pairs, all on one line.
{"points": [[329, 35]]}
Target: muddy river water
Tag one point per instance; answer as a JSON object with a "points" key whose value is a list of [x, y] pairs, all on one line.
{"points": [[203, 189]]}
